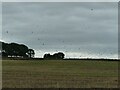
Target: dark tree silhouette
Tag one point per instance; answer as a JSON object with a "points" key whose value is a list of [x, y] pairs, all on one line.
{"points": [[56, 56], [31, 53], [47, 56], [23, 50], [61, 55], [16, 50], [4, 49], [4, 54]]}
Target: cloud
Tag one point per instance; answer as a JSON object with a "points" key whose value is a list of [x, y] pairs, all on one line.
{"points": [[0, 20], [62, 26], [60, 1]]}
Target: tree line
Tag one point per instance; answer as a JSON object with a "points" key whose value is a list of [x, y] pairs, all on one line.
{"points": [[16, 50], [58, 55], [22, 51]]}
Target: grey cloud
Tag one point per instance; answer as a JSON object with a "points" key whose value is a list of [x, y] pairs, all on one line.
{"points": [[62, 26]]}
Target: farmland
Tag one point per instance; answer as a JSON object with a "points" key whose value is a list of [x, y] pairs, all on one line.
{"points": [[59, 74]]}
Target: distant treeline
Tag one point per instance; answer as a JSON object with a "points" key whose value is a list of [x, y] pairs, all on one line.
{"points": [[21, 51], [16, 50], [58, 55]]}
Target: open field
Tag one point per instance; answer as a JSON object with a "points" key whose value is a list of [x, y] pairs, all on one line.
{"points": [[59, 74]]}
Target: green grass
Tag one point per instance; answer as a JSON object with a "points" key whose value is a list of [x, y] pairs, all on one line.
{"points": [[59, 74]]}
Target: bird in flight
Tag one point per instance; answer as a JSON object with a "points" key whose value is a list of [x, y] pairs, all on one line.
{"points": [[38, 39], [6, 31], [91, 9]]}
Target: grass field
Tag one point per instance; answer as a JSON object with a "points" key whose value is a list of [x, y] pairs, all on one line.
{"points": [[59, 74]]}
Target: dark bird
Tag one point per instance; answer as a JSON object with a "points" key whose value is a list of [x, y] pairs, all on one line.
{"points": [[91, 9], [6, 31]]}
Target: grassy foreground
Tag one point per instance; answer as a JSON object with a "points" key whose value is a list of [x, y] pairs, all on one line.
{"points": [[59, 74]]}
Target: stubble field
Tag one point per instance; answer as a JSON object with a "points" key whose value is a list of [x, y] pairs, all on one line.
{"points": [[59, 74]]}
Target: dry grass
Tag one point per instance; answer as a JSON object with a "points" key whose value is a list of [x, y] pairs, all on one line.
{"points": [[60, 74]]}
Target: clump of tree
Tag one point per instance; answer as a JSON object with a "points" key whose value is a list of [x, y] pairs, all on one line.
{"points": [[56, 56], [16, 50]]}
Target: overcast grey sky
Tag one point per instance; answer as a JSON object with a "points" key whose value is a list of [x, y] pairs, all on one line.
{"points": [[79, 29]]}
